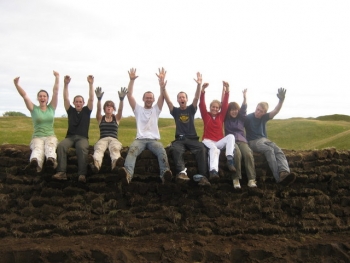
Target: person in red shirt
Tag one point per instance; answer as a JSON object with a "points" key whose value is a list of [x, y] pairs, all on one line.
{"points": [[213, 134]]}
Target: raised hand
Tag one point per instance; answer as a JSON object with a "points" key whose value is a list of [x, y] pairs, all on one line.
{"points": [[204, 86], [132, 74], [99, 93], [225, 86], [16, 80], [56, 74], [281, 93], [67, 79], [199, 78], [244, 94], [161, 77], [90, 79], [122, 93]]}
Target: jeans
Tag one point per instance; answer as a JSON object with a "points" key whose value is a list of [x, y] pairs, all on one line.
{"points": [[113, 145], [154, 146], [81, 145], [43, 147], [214, 150], [242, 150], [195, 147], [274, 155]]}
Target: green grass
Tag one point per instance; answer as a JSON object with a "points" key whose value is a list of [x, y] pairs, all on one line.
{"points": [[293, 134]]}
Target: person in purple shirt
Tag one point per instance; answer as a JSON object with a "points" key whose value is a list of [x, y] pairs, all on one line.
{"points": [[255, 126], [234, 124]]}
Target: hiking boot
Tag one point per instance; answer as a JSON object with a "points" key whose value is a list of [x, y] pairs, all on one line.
{"points": [[125, 176], [203, 181], [60, 176], [182, 175], [231, 165], [167, 176], [51, 162], [252, 183], [213, 175], [82, 178], [236, 184], [287, 178]]}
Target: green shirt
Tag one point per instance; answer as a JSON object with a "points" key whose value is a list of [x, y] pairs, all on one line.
{"points": [[43, 121]]}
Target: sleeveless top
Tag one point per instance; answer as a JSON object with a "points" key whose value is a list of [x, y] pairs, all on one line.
{"points": [[109, 129]]}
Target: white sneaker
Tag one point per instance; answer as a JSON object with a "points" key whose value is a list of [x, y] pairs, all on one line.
{"points": [[252, 183], [236, 184]]}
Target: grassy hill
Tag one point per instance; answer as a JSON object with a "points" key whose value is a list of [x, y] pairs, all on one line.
{"points": [[293, 134]]}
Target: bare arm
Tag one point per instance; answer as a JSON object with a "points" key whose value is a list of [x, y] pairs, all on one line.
{"points": [[99, 95], [66, 93], [198, 90], [90, 103], [281, 96], [27, 101], [122, 93], [161, 77], [244, 97], [131, 99], [56, 87], [167, 99]]}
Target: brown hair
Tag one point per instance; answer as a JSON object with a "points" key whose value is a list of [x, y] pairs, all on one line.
{"points": [[109, 103], [79, 96], [232, 106], [45, 92]]}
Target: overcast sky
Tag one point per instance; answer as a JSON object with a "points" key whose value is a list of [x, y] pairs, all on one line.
{"points": [[301, 45]]}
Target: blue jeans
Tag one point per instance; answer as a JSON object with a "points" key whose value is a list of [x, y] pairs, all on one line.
{"points": [[274, 155], [154, 146], [81, 145]]}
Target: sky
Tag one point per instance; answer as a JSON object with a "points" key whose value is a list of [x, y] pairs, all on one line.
{"points": [[300, 45]]}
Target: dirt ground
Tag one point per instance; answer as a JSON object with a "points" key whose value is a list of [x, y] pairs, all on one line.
{"points": [[178, 248]]}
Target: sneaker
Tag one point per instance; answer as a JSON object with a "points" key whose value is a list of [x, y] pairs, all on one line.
{"points": [[167, 176], [213, 175], [252, 183], [60, 176], [203, 181], [82, 178], [231, 165], [51, 162], [182, 175], [125, 176], [287, 178], [236, 184]]}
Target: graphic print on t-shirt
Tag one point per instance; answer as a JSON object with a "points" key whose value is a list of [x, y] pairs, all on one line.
{"points": [[184, 118]]}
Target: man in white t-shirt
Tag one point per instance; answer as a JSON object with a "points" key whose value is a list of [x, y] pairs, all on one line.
{"points": [[147, 130]]}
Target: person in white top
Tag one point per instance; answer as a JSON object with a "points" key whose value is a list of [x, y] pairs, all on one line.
{"points": [[147, 129]]}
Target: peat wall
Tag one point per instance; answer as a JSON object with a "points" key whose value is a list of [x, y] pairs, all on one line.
{"points": [[176, 222]]}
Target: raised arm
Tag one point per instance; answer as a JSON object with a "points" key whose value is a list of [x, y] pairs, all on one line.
{"points": [[281, 96], [162, 83], [202, 104], [166, 97], [66, 93], [99, 95], [122, 93], [131, 99], [244, 97], [226, 93], [56, 87], [198, 90], [90, 103], [27, 101]]}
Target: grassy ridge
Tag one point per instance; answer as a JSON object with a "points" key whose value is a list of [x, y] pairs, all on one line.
{"points": [[294, 133]]}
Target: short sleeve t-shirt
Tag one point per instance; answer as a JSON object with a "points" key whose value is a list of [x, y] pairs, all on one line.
{"points": [[256, 127], [184, 120], [147, 122]]}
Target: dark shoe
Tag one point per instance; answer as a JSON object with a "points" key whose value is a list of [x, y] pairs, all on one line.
{"points": [[95, 166], [34, 163], [60, 176], [125, 176], [51, 162], [114, 165], [82, 178], [287, 178], [203, 181], [231, 165], [213, 175], [167, 176]]}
